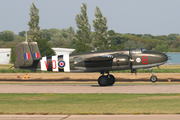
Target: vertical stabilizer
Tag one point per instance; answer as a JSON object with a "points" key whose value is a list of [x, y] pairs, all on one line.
{"points": [[23, 55], [35, 51]]}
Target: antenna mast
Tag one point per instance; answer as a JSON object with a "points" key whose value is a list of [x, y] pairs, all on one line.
{"points": [[26, 36]]}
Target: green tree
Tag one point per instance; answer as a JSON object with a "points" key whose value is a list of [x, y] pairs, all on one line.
{"points": [[172, 36], [140, 45], [2, 43], [45, 48], [162, 47], [34, 29], [23, 33], [116, 47], [111, 33], [46, 34], [83, 40], [7, 36], [59, 38], [147, 36], [129, 44], [100, 28]]}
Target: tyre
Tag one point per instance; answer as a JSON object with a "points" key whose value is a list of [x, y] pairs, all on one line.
{"points": [[153, 78], [103, 80], [111, 79]]}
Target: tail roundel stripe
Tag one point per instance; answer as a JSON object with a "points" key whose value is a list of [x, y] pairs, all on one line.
{"points": [[26, 56], [36, 55]]}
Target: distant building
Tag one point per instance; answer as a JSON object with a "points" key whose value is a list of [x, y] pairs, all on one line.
{"points": [[5, 55]]}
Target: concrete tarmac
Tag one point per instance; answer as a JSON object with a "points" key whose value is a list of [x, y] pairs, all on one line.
{"points": [[90, 117], [87, 88]]}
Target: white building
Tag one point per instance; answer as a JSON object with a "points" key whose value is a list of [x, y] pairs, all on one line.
{"points": [[5, 55], [61, 51]]}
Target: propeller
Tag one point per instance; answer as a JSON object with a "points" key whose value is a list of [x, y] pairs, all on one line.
{"points": [[130, 63], [130, 59]]}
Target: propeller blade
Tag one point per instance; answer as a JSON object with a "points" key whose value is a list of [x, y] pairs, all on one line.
{"points": [[130, 59]]}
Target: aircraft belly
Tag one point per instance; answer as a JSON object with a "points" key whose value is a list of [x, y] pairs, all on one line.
{"points": [[147, 66]]}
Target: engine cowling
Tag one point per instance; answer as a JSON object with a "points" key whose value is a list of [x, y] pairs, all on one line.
{"points": [[121, 60]]}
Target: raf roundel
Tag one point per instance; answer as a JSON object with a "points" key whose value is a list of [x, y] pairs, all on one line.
{"points": [[61, 64], [138, 60]]}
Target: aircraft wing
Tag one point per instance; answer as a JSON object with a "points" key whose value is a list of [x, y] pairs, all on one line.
{"points": [[100, 58]]}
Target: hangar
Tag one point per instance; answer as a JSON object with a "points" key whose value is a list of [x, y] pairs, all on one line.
{"points": [[5, 54]]}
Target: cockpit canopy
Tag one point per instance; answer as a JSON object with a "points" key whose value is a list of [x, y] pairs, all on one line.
{"points": [[138, 50]]}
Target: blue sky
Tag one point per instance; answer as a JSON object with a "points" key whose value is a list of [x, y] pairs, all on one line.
{"points": [[156, 17]]}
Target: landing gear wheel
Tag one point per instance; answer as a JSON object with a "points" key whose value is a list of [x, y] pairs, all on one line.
{"points": [[103, 80], [111, 79], [153, 78]]}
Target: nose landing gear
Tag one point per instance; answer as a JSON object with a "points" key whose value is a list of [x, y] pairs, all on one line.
{"points": [[153, 78], [105, 80]]}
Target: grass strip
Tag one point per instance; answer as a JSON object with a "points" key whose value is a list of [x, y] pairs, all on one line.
{"points": [[89, 103]]}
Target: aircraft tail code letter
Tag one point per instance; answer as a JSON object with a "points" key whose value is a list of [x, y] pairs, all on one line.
{"points": [[47, 64], [54, 66]]}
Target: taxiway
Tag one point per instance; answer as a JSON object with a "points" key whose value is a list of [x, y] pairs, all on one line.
{"points": [[87, 88]]}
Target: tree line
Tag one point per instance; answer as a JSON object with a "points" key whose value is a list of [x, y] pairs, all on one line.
{"points": [[65, 38], [83, 39]]}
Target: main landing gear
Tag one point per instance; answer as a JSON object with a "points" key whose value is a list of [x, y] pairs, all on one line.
{"points": [[105, 80], [153, 77]]}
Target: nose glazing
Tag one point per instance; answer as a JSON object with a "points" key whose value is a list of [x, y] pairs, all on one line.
{"points": [[163, 57]]}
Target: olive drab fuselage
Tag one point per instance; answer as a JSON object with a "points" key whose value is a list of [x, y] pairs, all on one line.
{"points": [[29, 57]]}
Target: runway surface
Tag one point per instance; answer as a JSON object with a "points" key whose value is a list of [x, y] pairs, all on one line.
{"points": [[87, 88], [89, 117]]}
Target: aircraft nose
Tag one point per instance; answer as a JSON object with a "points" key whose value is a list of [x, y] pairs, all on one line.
{"points": [[163, 57]]}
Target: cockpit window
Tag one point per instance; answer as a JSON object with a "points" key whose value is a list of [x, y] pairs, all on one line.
{"points": [[136, 51], [77, 60], [143, 50]]}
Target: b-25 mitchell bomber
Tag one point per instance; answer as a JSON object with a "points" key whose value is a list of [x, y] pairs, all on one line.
{"points": [[28, 56]]}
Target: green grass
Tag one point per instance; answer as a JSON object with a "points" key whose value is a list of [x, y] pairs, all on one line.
{"points": [[89, 103]]}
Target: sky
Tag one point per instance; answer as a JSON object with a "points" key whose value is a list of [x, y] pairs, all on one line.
{"points": [[156, 17]]}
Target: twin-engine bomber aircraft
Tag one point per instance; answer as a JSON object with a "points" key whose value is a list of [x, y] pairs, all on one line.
{"points": [[29, 57]]}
